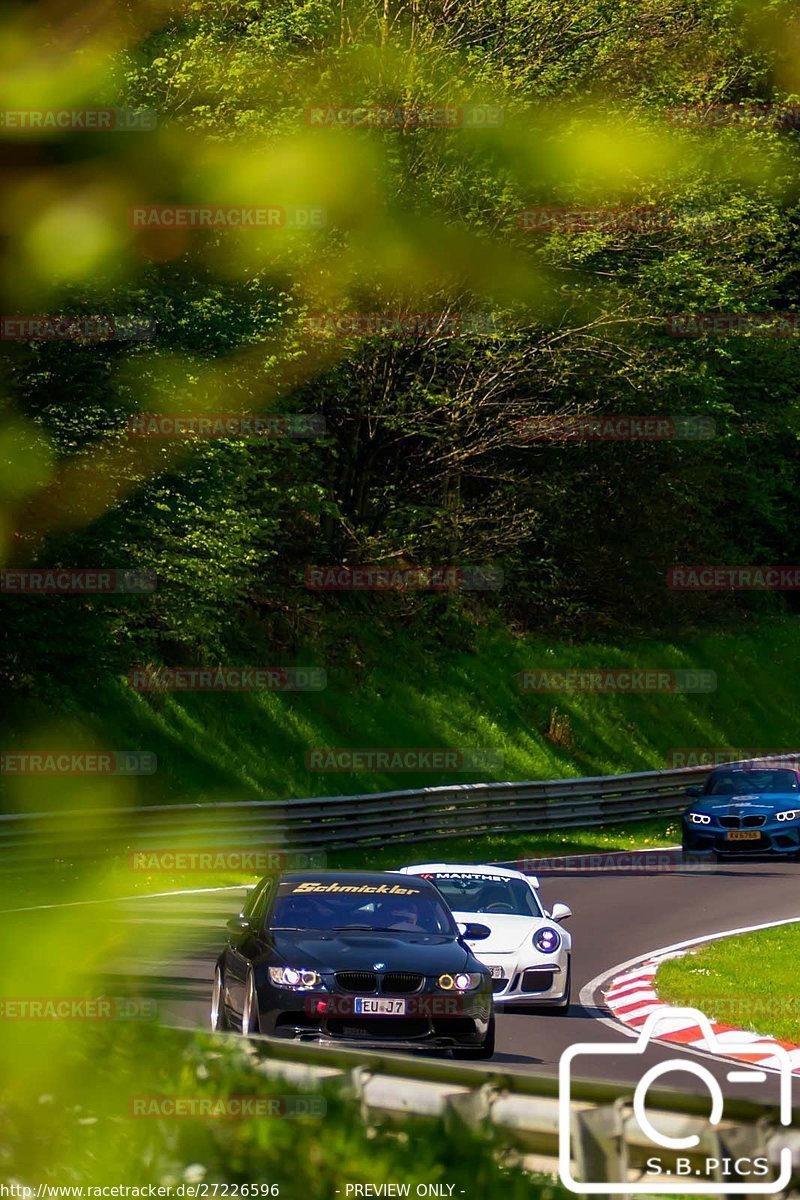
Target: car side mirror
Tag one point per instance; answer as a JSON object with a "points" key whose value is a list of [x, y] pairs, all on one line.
{"points": [[694, 790], [472, 931], [238, 924], [560, 912]]}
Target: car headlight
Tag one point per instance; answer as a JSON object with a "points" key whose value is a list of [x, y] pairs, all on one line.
{"points": [[791, 814], [699, 818], [294, 977], [464, 981], [547, 940]]}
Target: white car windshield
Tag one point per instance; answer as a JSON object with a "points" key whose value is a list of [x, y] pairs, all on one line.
{"points": [[487, 894]]}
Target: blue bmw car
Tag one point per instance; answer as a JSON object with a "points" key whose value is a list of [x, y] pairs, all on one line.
{"points": [[744, 809]]}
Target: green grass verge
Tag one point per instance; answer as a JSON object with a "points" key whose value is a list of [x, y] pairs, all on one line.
{"points": [[749, 981], [408, 689], [113, 1125]]}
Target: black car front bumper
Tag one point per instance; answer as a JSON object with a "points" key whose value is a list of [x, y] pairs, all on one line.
{"points": [[434, 1019]]}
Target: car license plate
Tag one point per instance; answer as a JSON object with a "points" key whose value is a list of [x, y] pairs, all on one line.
{"points": [[743, 835], [497, 973], [380, 1006]]}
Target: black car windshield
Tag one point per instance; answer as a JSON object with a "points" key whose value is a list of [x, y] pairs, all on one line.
{"points": [[418, 911], [749, 783], [488, 894]]}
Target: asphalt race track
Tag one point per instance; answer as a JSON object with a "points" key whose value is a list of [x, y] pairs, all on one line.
{"points": [[641, 903]]}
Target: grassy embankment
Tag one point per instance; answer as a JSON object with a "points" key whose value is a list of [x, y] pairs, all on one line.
{"points": [[749, 982], [414, 692]]}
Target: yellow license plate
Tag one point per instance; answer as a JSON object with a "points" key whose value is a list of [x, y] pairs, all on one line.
{"points": [[742, 835]]}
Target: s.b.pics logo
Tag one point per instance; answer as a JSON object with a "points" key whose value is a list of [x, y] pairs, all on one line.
{"points": [[672, 1152]]}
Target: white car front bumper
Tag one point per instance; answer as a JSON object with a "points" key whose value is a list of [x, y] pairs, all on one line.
{"points": [[529, 980]]}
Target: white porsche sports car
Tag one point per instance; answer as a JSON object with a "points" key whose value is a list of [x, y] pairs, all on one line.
{"points": [[523, 945]]}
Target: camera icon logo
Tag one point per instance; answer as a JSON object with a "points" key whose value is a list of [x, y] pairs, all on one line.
{"points": [[682, 1177]]}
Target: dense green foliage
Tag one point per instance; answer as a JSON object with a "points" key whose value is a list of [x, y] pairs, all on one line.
{"points": [[422, 462]]}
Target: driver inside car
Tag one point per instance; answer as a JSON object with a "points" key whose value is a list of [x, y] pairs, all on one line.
{"points": [[401, 914], [494, 899]]}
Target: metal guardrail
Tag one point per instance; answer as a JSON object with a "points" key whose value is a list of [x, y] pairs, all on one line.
{"points": [[606, 1143], [349, 822]]}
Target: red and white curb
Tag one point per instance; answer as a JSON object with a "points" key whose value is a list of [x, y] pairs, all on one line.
{"points": [[632, 998]]}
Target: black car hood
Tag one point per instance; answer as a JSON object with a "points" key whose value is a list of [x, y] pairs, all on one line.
{"points": [[429, 954], [732, 806]]}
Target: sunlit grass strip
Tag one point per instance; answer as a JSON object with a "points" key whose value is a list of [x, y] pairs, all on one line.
{"points": [[749, 981], [115, 880]]}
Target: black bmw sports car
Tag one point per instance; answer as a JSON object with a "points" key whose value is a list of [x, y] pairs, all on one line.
{"points": [[374, 958], [744, 808]]}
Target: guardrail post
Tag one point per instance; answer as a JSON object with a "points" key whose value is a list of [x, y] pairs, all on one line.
{"points": [[601, 1154], [470, 1108], [748, 1141], [357, 1080]]}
